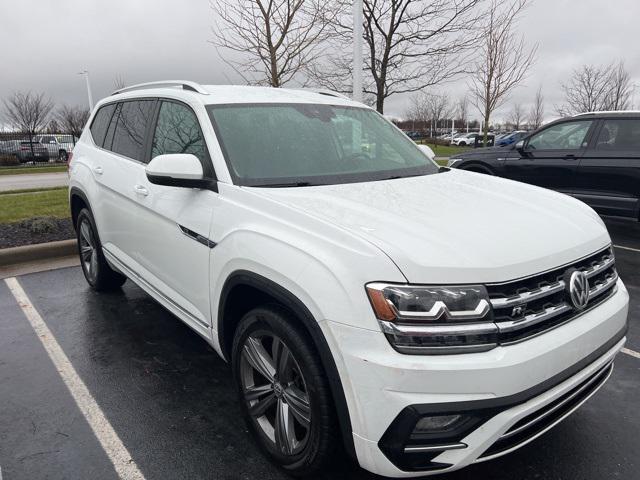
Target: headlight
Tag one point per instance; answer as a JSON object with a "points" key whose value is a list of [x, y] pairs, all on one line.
{"points": [[453, 161], [434, 319]]}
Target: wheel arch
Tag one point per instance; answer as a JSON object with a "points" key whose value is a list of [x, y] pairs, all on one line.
{"points": [[475, 166], [261, 289], [77, 201]]}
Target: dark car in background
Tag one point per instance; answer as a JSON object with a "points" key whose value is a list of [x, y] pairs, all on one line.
{"points": [[511, 138], [594, 157], [32, 152]]}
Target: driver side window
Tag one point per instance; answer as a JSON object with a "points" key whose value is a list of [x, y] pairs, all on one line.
{"points": [[564, 136]]}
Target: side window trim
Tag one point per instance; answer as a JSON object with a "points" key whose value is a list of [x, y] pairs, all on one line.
{"points": [[208, 169]]}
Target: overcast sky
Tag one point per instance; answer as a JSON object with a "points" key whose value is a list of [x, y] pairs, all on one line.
{"points": [[43, 44]]}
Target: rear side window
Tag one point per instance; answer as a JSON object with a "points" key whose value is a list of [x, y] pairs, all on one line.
{"points": [[100, 124], [619, 134], [132, 122], [178, 131]]}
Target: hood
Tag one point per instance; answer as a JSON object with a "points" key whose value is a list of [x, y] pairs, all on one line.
{"points": [[456, 226]]}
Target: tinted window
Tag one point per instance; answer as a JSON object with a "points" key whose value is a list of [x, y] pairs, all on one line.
{"points": [[564, 136], [621, 134], [47, 140], [178, 131], [100, 123], [133, 119]]}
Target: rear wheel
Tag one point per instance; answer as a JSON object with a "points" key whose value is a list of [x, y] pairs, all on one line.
{"points": [[94, 266], [62, 156], [284, 393]]}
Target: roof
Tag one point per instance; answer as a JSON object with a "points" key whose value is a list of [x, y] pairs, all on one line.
{"points": [[225, 94]]}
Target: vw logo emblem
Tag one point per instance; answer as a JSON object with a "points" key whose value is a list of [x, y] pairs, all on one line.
{"points": [[578, 287]]}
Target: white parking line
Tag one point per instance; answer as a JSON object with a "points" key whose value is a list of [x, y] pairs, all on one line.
{"points": [[627, 248], [108, 438], [631, 352]]}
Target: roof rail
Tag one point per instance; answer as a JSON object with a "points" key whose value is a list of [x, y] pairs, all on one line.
{"points": [[184, 84], [600, 112], [324, 91]]}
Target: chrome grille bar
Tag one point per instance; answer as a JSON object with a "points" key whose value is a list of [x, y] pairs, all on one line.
{"points": [[528, 296], [605, 263]]}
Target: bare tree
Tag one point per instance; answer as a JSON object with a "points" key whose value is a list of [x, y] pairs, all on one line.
{"points": [[536, 114], [72, 119], [503, 60], [516, 116], [270, 42], [463, 109], [410, 45], [592, 88], [28, 112], [620, 94], [118, 82]]}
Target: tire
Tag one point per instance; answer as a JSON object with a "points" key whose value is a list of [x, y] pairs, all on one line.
{"points": [[62, 156], [462, 144], [99, 275], [297, 388]]}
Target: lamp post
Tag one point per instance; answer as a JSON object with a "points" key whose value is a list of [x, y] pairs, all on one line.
{"points": [[357, 50], [86, 77]]}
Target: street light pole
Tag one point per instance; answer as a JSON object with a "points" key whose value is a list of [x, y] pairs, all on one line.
{"points": [[357, 50], [86, 77]]}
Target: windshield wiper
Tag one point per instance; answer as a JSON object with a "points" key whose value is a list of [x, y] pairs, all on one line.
{"points": [[291, 184]]}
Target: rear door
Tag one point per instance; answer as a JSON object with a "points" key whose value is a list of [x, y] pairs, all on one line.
{"points": [[609, 173], [116, 168], [551, 156]]}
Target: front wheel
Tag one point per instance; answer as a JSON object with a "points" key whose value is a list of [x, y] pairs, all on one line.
{"points": [[284, 392], [63, 156], [97, 271]]}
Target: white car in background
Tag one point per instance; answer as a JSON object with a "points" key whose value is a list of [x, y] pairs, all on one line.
{"points": [[417, 317], [58, 146]]}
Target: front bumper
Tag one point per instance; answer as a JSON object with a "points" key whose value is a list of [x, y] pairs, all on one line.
{"points": [[502, 386]]}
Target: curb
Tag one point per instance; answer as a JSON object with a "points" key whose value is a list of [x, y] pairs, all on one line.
{"points": [[39, 251]]}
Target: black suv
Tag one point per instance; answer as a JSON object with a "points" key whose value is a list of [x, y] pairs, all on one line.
{"points": [[593, 156]]}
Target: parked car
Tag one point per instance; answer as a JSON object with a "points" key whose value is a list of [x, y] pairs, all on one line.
{"points": [[510, 138], [469, 139], [32, 152], [9, 147], [58, 146], [369, 301], [594, 157]]}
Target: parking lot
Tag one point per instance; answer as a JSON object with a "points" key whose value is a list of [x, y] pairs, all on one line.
{"points": [[170, 399]]}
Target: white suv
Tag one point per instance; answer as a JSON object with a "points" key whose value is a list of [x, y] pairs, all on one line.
{"points": [[416, 317]]}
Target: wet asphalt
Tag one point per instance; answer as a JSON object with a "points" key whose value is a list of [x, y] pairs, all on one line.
{"points": [[171, 400]]}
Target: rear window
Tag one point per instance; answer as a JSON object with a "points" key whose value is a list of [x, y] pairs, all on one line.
{"points": [[100, 123], [129, 135]]}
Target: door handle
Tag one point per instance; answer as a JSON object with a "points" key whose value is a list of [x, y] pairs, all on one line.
{"points": [[98, 170], [140, 190], [570, 157]]}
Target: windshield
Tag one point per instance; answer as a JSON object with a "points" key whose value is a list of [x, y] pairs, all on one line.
{"points": [[308, 144]]}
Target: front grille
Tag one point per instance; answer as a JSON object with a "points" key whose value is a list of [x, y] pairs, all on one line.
{"points": [[527, 307], [537, 422]]}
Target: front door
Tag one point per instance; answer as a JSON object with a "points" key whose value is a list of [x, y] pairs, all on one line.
{"points": [[550, 157], [173, 238], [609, 173]]}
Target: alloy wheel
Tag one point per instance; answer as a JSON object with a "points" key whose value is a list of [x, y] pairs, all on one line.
{"points": [[88, 252], [275, 392]]}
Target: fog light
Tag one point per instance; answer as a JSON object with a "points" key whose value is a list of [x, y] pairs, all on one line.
{"points": [[435, 424]]}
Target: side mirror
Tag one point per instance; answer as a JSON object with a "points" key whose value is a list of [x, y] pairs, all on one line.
{"points": [[519, 145], [176, 170], [427, 151]]}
